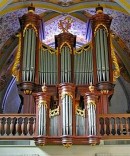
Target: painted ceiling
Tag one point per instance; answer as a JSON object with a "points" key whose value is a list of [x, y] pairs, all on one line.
{"points": [[9, 25]]}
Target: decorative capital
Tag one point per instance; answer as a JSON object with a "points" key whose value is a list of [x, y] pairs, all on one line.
{"points": [[91, 87], [44, 88], [31, 8], [99, 9]]}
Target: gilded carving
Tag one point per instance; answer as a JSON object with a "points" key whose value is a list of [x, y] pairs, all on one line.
{"points": [[15, 68], [48, 48], [91, 102], [66, 93], [104, 91], [80, 112], [97, 27], [116, 72], [66, 43], [33, 26], [42, 102], [54, 112], [65, 24]]}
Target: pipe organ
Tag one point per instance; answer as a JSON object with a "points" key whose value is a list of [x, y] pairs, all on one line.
{"points": [[65, 44], [67, 105], [83, 66], [47, 66], [102, 57], [70, 86], [101, 46], [42, 115], [30, 38]]}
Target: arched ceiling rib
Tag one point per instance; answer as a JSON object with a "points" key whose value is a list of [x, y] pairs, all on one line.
{"points": [[125, 4], [4, 3], [61, 9]]}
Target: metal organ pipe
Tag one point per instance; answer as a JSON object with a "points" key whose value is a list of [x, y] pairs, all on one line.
{"points": [[29, 55], [106, 55], [65, 64], [67, 115], [42, 118], [67, 105], [42, 114], [90, 105], [102, 55], [83, 67], [47, 67]]}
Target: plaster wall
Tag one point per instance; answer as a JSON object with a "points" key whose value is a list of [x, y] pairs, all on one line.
{"points": [[82, 150]]}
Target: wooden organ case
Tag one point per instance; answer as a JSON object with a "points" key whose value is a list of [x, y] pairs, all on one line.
{"points": [[70, 87]]}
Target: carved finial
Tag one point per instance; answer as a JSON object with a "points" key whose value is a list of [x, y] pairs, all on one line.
{"points": [[44, 87], [99, 9], [65, 24], [31, 8], [91, 87]]}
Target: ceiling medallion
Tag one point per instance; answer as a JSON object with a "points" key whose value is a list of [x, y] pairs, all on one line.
{"points": [[65, 2]]}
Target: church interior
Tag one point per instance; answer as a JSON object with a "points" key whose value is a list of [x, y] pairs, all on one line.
{"points": [[64, 77]]}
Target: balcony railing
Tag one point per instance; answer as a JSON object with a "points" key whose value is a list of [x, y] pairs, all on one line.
{"points": [[114, 126], [17, 126], [22, 126]]}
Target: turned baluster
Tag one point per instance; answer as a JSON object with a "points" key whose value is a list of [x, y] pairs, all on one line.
{"points": [[34, 125], [17, 126], [7, 126], [127, 126], [22, 127], [28, 127], [1, 126], [4, 127], [121, 125], [12, 126], [110, 126]]}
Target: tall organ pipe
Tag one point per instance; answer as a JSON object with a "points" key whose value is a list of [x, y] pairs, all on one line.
{"points": [[83, 67], [29, 55], [67, 105], [90, 105], [106, 55], [67, 115], [102, 55], [47, 67], [65, 64], [42, 114]]}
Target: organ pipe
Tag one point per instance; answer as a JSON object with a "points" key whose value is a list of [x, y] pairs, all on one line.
{"points": [[47, 66], [91, 100], [65, 44], [102, 61], [30, 39], [102, 55], [42, 115], [83, 66], [66, 98]]}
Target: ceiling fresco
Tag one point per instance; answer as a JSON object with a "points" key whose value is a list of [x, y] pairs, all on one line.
{"points": [[120, 24], [62, 2], [9, 25]]}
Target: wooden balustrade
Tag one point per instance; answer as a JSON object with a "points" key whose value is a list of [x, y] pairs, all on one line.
{"points": [[22, 126], [17, 126], [114, 126]]}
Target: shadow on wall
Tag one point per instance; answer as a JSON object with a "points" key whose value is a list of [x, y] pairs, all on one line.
{"points": [[11, 100], [120, 100]]}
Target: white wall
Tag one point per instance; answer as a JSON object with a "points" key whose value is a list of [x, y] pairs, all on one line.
{"points": [[118, 103], [79, 150]]}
